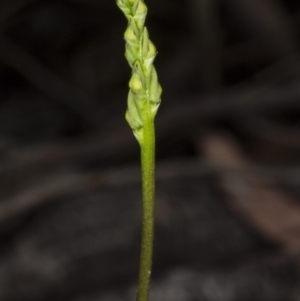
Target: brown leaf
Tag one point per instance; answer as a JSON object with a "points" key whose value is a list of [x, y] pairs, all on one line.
{"points": [[273, 213]]}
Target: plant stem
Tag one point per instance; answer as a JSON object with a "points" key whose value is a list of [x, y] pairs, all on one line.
{"points": [[148, 191], [143, 102]]}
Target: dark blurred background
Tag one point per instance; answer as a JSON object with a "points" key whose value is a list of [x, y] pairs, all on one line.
{"points": [[228, 152]]}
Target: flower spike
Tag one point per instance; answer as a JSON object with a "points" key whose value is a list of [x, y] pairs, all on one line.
{"points": [[145, 90]]}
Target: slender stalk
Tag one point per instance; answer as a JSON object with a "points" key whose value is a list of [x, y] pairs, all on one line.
{"points": [[148, 189]]}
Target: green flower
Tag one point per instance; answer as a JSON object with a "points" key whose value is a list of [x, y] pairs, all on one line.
{"points": [[145, 90]]}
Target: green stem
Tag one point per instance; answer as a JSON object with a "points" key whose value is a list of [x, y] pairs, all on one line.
{"points": [[148, 188]]}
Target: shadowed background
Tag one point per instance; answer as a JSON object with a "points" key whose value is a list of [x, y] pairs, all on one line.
{"points": [[228, 149]]}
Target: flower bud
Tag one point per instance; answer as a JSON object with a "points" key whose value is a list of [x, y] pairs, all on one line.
{"points": [[130, 36], [124, 7], [141, 8], [136, 84], [140, 15], [133, 115], [155, 88], [130, 54], [148, 60], [149, 50]]}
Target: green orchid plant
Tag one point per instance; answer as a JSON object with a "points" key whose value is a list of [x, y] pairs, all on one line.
{"points": [[143, 102]]}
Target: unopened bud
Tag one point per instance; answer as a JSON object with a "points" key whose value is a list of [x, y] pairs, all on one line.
{"points": [[130, 36], [141, 9], [136, 84]]}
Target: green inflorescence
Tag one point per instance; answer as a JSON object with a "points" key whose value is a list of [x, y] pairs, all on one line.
{"points": [[144, 88]]}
